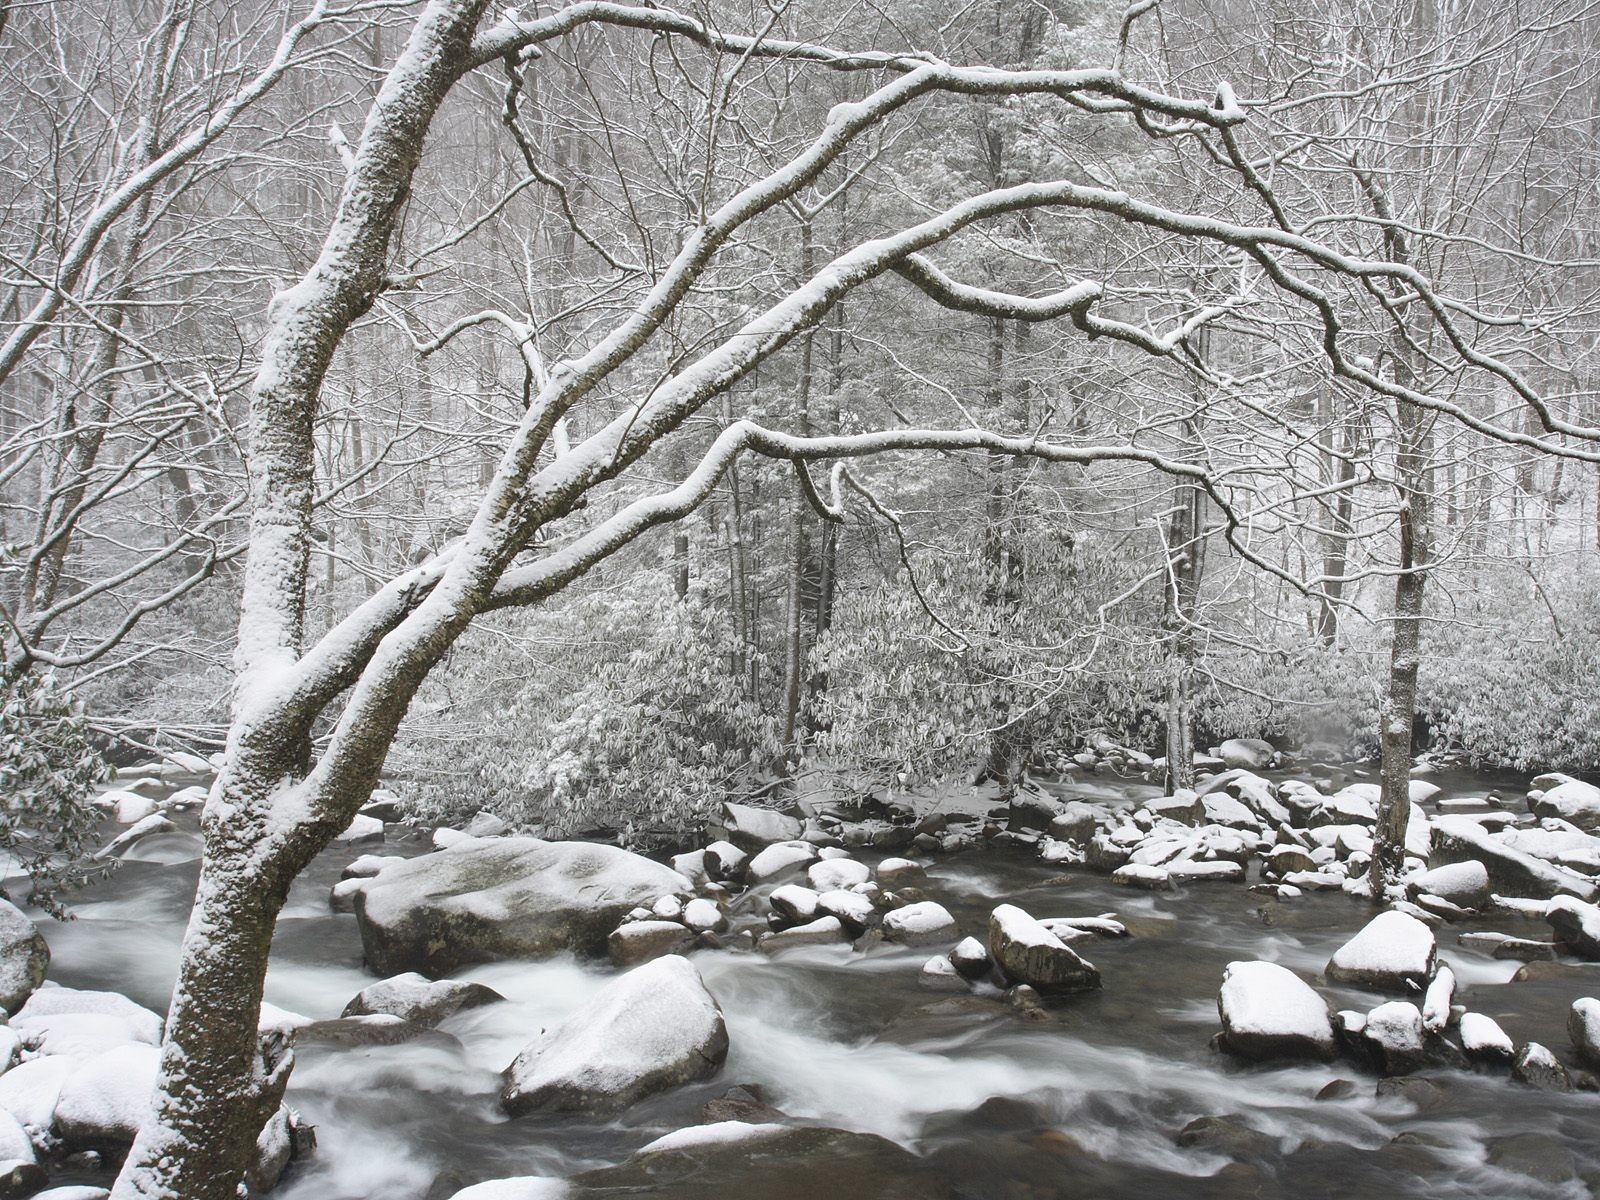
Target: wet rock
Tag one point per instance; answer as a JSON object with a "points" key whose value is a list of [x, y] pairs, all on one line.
{"points": [[780, 859], [1247, 754], [745, 1103], [970, 959], [1339, 1089], [1554, 972], [23, 957], [1465, 884], [640, 941], [940, 975], [1423, 1094], [1583, 1026], [1568, 799], [1484, 1041], [1536, 1156], [655, 1028], [1537, 1067], [1393, 951], [824, 931], [105, 1099], [490, 899], [376, 1029], [1228, 1136], [775, 1162], [1030, 810], [1026, 952], [1268, 1012], [415, 998], [1576, 925], [921, 924], [751, 828], [1027, 1003]]}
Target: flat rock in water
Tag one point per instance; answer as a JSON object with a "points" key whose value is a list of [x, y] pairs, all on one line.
{"points": [[1027, 952], [1583, 1026], [921, 924], [824, 931], [1392, 951], [652, 1029], [105, 1100], [521, 1187], [752, 828], [23, 957], [772, 1162], [484, 900], [416, 998], [1269, 1012]]}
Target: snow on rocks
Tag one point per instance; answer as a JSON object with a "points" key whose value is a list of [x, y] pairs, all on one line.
{"points": [[921, 924], [1558, 795], [1155, 879], [854, 911], [1436, 1001], [128, 807], [138, 831], [15, 1144], [62, 1020], [1269, 1012], [494, 898], [361, 829], [703, 916], [834, 874], [29, 1090], [635, 942], [105, 1099], [1394, 950], [1576, 925], [23, 957], [416, 998], [794, 904], [971, 959], [1027, 952], [823, 931], [1392, 1035], [751, 828], [899, 872], [1538, 1068], [1249, 754], [1583, 1027], [1511, 871], [655, 1028], [1484, 1041], [939, 974], [1465, 883], [780, 859], [519, 1187]]}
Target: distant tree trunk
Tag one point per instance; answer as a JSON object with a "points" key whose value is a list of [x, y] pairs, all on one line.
{"points": [[794, 611], [1003, 559], [1186, 566], [1340, 469]]}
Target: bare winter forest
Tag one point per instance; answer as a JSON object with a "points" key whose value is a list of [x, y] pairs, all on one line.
{"points": [[550, 557]]}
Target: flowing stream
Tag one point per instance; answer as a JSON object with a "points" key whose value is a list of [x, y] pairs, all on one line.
{"points": [[853, 1040]]}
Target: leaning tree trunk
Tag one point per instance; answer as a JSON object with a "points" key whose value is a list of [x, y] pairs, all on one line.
{"points": [[216, 1085]]}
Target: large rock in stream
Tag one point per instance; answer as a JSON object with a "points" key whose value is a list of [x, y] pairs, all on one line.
{"points": [[1269, 1012], [23, 957], [1511, 872], [491, 899], [1394, 950], [1027, 952], [649, 1030]]}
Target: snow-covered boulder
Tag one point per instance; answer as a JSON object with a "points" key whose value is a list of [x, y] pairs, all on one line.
{"points": [[1484, 1040], [835, 874], [794, 903], [655, 1028], [519, 1187], [1248, 754], [780, 859], [487, 824], [854, 911], [1393, 950], [922, 924], [899, 872], [823, 931], [1464, 883], [1392, 1034], [128, 807], [360, 830], [23, 957], [416, 998], [15, 1144], [752, 828], [1583, 1026], [1269, 1012], [1576, 925], [703, 916], [495, 898], [1511, 871], [105, 1100], [639, 941], [939, 974], [1138, 875], [1027, 952], [137, 832], [1557, 795], [369, 865], [971, 959], [29, 1090], [62, 1020], [1437, 1000]]}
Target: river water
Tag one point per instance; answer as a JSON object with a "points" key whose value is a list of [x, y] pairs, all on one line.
{"points": [[853, 1040]]}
